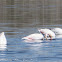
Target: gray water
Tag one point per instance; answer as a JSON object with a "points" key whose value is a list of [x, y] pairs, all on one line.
{"points": [[20, 18], [18, 50]]}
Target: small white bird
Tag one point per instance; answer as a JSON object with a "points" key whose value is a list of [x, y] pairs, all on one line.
{"points": [[3, 40], [48, 34], [57, 31], [34, 36]]}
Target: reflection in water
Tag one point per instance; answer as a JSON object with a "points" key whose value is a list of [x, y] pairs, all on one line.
{"points": [[36, 46]]}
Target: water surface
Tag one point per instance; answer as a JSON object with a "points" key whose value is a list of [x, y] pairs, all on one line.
{"points": [[18, 50]]}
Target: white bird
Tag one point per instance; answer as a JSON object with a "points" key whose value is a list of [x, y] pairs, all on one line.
{"points": [[58, 36], [57, 31], [48, 34], [34, 36], [3, 40], [31, 41]]}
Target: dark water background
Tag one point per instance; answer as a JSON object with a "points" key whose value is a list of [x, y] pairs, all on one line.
{"points": [[19, 18]]}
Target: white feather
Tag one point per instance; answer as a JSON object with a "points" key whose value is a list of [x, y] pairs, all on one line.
{"points": [[57, 30], [34, 36], [48, 32], [2, 39]]}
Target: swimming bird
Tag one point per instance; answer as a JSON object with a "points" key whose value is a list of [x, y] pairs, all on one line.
{"points": [[31, 41], [48, 34], [34, 36], [57, 31], [3, 40]]}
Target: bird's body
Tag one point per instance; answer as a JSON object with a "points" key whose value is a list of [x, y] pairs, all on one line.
{"points": [[57, 31], [34, 36], [48, 33], [3, 40]]}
